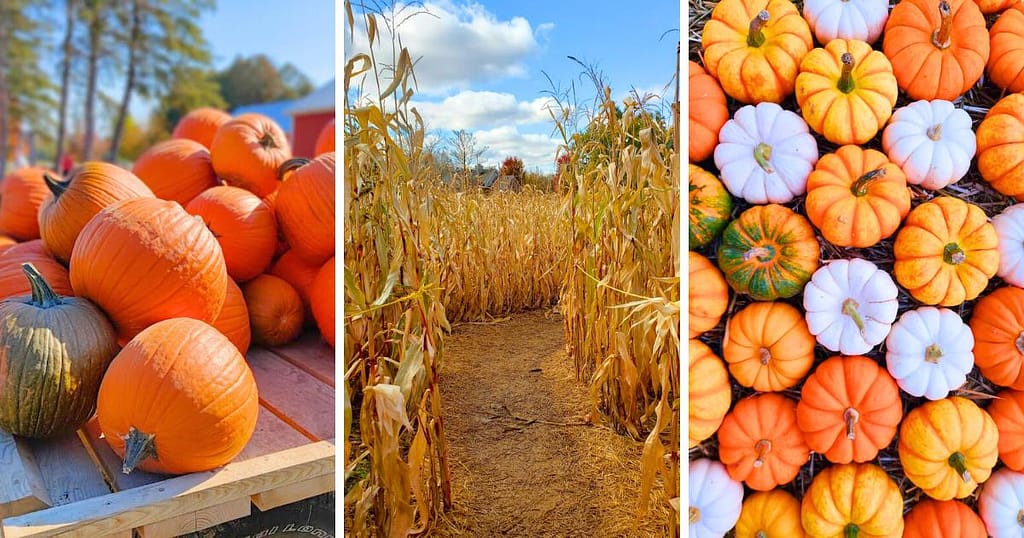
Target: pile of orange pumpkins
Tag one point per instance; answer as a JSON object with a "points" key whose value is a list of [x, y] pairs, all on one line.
{"points": [[135, 294], [875, 311]]}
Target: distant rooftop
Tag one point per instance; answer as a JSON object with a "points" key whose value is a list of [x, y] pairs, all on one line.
{"points": [[275, 110], [319, 100]]}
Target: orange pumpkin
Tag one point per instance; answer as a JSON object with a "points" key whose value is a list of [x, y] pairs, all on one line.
{"points": [[931, 518], [938, 48], [325, 140], [244, 227], [145, 260], [321, 298], [998, 328], [846, 91], [1006, 42], [768, 346], [12, 277], [709, 295], [1007, 411], [233, 320], [753, 48], [709, 392], [946, 252], [6, 242], [201, 125], [179, 398], [856, 197], [305, 207], [770, 514], [851, 500], [989, 7], [708, 113], [176, 169], [1000, 139], [247, 152], [275, 310], [299, 273], [22, 193], [760, 444]]}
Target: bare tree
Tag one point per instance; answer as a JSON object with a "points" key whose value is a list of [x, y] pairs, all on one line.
{"points": [[65, 77], [96, 11], [465, 152]]}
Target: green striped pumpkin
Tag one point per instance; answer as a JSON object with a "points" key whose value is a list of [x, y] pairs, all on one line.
{"points": [[710, 206]]}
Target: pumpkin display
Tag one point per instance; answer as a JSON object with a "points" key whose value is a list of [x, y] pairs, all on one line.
{"points": [[12, 276], [1000, 138], [710, 393], [765, 154], [177, 169], [1006, 45], [768, 346], [998, 328], [89, 188], [53, 353], [709, 295], [1009, 225], [842, 19], [710, 207], [299, 273], [850, 305], [759, 442], [947, 447], [928, 352], [1007, 411], [946, 252], [201, 125], [248, 150], [324, 140], [208, 402], [708, 113], [930, 518], [1001, 503], [770, 514], [144, 260], [846, 91], [715, 499], [852, 500], [931, 141], [856, 197], [305, 207], [753, 48], [769, 252], [321, 298], [233, 320], [849, 409], [22, 192], [938, 48], [244, 226], [275, 310]]}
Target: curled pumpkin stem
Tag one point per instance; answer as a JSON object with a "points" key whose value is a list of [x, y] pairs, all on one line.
{"points": [[43, 295], [959, 463], [755, 37], [851, 416], [850, 309], [933, 353], [291, 165], [763, 447], [953, 254], [763, 156], [138, 447], [55, 186], [940, 38], [860, 186], [694, 514], [766, 356], [762, 253], [935, 132], [845, 84]]}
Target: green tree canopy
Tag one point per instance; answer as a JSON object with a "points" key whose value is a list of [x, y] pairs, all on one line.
{"points": [[256, 79], [190, 88]]}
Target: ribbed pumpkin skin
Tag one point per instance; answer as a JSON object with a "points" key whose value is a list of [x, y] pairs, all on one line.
{"points": [[233, 320], [300, 274], [762, 427], [177, 169], [710, 207], [6, 242], [244, 227], [185, 383], [90, 188], [1006, 62], [708, 113], [22, 193], [53, 352], [321, 298], [201, 125], [861, 494], [1001, 146], [776, 513], [305, 209], [998, 327], [325, 140], [768, 347], [1007, 411], [275, 310], [709, 392], [247, 152], [12, 277], [709, 295], [147, 260], [930, 518]]}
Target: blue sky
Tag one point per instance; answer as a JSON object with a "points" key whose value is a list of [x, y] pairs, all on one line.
{"points": [[482, 63]]}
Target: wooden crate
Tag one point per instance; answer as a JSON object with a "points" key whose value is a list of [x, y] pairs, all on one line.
{"points": [[73, 486]]}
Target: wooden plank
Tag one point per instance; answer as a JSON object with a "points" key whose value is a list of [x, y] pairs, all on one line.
{"points": [[297, 398], [69, 473], [110, 463], [198, 520], [272, 435], [176, 496], [310, 353], [293, 492], [22, 488]]}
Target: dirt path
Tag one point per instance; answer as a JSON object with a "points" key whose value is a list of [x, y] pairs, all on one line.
{"points": [[511, 477]]}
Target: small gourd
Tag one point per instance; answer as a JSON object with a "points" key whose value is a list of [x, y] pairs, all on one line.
{"points": [[1009, 225], [997, 325], [708, 293], [710, 393], [850, 305], [846, 19], [851, 500], [768, 346], [759, 442], [930, 518], [1001, 504], [770, 514], [931, 141], [715, 499], [929, 353]]}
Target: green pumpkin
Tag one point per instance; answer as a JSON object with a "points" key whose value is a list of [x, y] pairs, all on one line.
{"points": [[53, 353], [769, 252], [710, 206]]}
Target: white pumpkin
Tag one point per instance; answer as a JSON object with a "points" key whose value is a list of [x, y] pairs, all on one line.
{"points": [[715, 499], [765, 154], [850, 305], [846, 19], [1009, 227], [931, 141], [1001, 504], [929, 352]]}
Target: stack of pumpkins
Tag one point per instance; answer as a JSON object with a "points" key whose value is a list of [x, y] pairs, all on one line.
{"points": [[836, 220], [136, 294]]}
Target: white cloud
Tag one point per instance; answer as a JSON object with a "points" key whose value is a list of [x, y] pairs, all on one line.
{"points": [[481, 109], [536, 150]]}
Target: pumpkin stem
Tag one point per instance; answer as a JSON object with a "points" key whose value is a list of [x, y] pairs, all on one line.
{"points": [[1019, 342], [138, 446], [763, 447], [56, 187], [845, 84], [860, 186], [763, 155], [290, 165], [851, 416], [43, 295], [850, 531], [953, 254], [760, 534], [940, 38], [958, 462], [850, 309], [935, 132], [762, 253], [268, 141], [1020, 518], [755, 38], [694, 514], [766, 356], [933, 353]]}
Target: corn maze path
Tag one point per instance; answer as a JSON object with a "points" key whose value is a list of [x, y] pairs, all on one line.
{"points": [[523, 460]]}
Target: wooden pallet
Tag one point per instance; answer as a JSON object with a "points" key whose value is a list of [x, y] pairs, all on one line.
{"points": [[73, 486]]}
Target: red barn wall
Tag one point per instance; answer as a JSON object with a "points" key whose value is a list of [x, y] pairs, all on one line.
{"points": [[306, 128]]}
